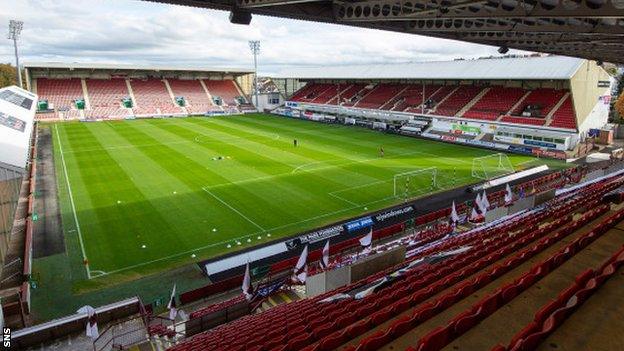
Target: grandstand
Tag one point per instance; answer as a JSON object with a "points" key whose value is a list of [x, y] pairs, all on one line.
{"points": [[507, 286], [525, 96], [409, 206], [103, 91]]}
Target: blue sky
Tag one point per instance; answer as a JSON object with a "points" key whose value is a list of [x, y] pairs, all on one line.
{"points": [[132, 31]]}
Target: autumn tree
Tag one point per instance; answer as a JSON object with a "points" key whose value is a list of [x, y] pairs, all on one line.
{"points": [[619, 105], [8, 76]]}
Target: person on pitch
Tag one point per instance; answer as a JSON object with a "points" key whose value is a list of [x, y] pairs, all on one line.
{"points": [[295, 142], [381, 151]]}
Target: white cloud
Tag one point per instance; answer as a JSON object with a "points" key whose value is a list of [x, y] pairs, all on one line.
{"points": [[127, 31]]}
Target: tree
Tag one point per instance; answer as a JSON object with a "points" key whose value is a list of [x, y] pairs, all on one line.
{"points": [[620, 85], [8, 75], [619, 105]]}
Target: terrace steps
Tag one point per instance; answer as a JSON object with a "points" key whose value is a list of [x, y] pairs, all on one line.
{"points": [[472, 102], [446, 97], [410, 337], [502, 325], [515, 106], [549, 117]]}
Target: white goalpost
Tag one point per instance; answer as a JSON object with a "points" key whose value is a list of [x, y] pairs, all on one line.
{"points": [[490, 166], [412, 183]]}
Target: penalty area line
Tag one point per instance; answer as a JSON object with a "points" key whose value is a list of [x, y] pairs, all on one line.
{"points": [[233, 209], [198, 249]]}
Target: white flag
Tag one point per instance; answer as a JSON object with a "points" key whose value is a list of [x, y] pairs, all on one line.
{"points": [[325, 258], [474, 215], [454, 216], [301, 268], [484, 200], [91, 328], [367, 240], [173, 311], [479, 203], [508, 194], [247, 289]]}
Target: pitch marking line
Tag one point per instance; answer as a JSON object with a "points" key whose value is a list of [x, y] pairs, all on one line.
{"points": [[71, 201], [343, 199], [365, 160], [359, 186], [233, 209], [197, 249]]}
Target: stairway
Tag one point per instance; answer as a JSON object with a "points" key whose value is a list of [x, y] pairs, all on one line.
{"points": [[201, 81], [444, 99], [365, 95], [550, 115], [472, 102], [392, 100], [85, 95], [131, 93], [515, 105]]}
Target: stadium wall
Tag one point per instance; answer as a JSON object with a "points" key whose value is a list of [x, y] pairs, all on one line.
{"points": [[245, 83], [588, 91]]}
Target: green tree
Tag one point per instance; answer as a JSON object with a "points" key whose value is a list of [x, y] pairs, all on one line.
{"points": [[8, 76]]}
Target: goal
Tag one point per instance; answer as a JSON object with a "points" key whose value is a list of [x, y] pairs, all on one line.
{"points": [[412, 183], [491, 166]]}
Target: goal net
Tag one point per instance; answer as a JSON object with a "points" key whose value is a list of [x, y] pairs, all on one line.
{"points": [[491, 166], [412, 183]]}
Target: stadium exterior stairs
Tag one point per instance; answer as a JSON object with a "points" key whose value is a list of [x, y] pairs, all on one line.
{"points": [[472, 102]]}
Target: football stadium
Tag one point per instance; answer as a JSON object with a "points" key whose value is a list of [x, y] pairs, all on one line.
{"points": [[467, 204]]}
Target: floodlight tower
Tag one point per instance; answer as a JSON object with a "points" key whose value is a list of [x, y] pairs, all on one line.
{"points": [[254, 45], [15, 29]]}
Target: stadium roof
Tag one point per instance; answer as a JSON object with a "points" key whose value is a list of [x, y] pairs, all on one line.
{"points": [[525, 68], [592, 29], [131, 67]]}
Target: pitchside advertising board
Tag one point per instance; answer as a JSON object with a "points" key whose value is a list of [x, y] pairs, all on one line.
{"points": [[232, 265]]}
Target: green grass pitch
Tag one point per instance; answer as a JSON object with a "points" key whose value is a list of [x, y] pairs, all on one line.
{"points": [[147, 195]]}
